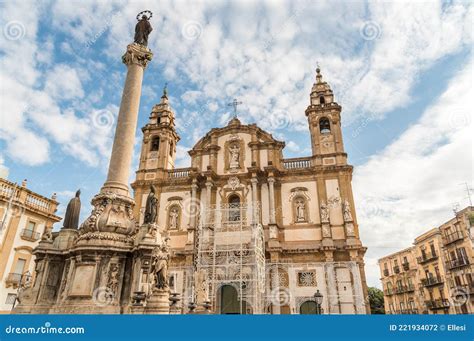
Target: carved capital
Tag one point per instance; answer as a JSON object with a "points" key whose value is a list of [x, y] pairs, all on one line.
{"points": [[137, 54]]}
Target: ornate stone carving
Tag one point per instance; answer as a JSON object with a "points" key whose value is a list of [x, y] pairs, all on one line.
{"points": [[326, 231], [159, 267], [324, 210], [334, 201], [137, 54], [112, 213], [234, 151], [233, 182], [113, 280], [173, 217], [347, 211], [300, 209]]}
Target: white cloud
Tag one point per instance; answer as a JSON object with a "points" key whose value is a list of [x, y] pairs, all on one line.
{"points": [[412, 184], [3, 168], [63, 82]]}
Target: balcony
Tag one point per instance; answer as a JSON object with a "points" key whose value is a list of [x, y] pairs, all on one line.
{"points": [[427, 258], [440, 303], [179, 173], [13, 279], [466, 288], [297, 163], [431, 281], [453, 237], [385, 272], [406, 266], [29, 235], [396, 269], [404, 288], [409, 311], [457, 263]]}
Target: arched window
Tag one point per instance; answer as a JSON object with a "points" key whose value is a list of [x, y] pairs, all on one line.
{"points": [[155, 144], [309, 307], [174, 216], [322, 100], [234, 208], [300, 209], [324, 126]]}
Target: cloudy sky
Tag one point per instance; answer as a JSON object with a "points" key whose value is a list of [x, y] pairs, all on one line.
{"points": [[401, 70]]}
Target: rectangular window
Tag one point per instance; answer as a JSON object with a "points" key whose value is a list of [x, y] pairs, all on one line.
{"points": [[20, 266], [31, 226], [10, 299]]}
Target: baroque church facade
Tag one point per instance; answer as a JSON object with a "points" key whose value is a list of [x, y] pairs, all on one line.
{"points": [[241, 231], [251, 231]]}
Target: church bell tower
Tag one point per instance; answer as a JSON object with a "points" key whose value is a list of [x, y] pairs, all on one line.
{"points": [[159, 140], [324, 119]]}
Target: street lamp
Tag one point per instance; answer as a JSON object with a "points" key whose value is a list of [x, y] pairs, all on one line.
{"points": [[318, 297]]}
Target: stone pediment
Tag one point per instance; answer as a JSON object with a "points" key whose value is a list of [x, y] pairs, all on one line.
{"points": [[235, 127]]}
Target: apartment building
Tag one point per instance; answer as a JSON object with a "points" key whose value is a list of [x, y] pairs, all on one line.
{"points": [[24, 217], [435, 275]]}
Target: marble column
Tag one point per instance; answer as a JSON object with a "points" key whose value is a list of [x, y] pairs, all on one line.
{"points": [[136, 58], [113, 206]]}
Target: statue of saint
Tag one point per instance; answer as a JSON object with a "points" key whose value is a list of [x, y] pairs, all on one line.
{"points": [[142, 30], [234, 157], [73, 210], [347, 211], [174, 214], [151, 207], [159, 267], [324, 213], [300, 210]]}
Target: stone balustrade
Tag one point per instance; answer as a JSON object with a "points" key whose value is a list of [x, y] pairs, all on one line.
{"points": [[297, 163]]}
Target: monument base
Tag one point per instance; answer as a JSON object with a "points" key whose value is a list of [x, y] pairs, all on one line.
{"points": [[158, 302]]}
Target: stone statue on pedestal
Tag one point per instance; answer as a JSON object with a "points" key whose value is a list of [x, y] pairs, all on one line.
{"points": [[73, 210], [143, 29], [151, 207], [159, 267]]}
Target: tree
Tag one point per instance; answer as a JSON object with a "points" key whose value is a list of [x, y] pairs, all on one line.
{"points": [[376, 301]]}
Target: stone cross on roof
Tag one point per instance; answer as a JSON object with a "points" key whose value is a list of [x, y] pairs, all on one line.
{"points": [[234, 104]]}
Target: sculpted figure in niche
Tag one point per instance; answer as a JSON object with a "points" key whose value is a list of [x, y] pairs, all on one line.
{"points": [[324, 213], [234, 157], [347, 211], [173, 219], [300, 210]]}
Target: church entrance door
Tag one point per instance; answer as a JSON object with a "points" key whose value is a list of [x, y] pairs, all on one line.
{"points": [[229, 302]]}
